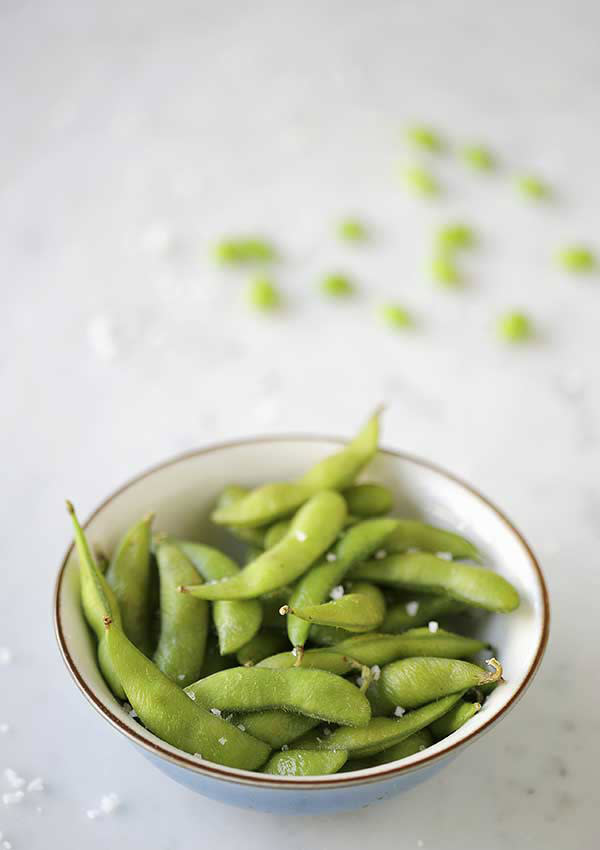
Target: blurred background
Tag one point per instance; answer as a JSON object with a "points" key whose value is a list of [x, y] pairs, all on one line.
{"points": [[135, 137]]}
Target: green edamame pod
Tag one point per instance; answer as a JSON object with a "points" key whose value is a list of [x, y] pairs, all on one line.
{"points": [[311, 692], [418, 610], [229, 496], [378, 648], [328, 635], [409, 747], [276, 532], [264, 644], [412, 534], [236, 621], [98, 601], [465, 583], [315, 586], [413, 682], [275, 727], [305, 763], [454, 719], [130, 577], [315, 527], [360, 611], [380, 733], [274, 501], [166, 711], [183, 619], [368, 500], [312, 659]]}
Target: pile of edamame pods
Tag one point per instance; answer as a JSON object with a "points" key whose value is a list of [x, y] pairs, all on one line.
{"points": [[323, 653]]}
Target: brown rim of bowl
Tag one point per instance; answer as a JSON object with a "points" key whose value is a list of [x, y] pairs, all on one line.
{"points": [[290, 783]]}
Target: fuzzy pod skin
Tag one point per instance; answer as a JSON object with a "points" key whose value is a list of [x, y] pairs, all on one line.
{"points": [[398, 619], [312, 659], [313, 530], [183, 619], [381, 733], [274, 726], [314, 693], [98, 601], [368, 500], [412, 534], [465, 583], [379, 648], [413, 682], [275, 501], [358, 543], [409, 747], [166, 711], [455, 718], [360, 611], [305, 763], [236, 621], [264, 644], [129, 575]]}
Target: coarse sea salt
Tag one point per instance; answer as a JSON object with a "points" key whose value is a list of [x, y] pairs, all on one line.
{"points": [[380, 554], [433, 626], [337, 592], [399, 711], [241, 727], [216, 712], [109, 802], [331, 556], [445, 556], [12, 798], [5, 655], [36, 784], [6, 845], [13, 778], [376, 671], [222, 741], [301, 536], [191, 695], [4, 728]]}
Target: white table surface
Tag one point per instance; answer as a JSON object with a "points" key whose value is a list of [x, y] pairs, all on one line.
{"points": [[134, 134]]}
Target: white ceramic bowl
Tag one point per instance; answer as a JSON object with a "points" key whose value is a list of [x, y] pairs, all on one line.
{"points": [[182, 491]]}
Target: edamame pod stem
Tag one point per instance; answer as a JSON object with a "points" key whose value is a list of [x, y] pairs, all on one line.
{"points": [[409, 747], [273, 501], [236, 621], [417, 611], [413, 682], [275, 727], [412, 534], [166, 711], [264, 644], [312, 659], [229, 496], [305, 763], [455, 718], [183, 619], [315, 527], [315, 586], [377, 648], [465, 583], [368, 500], [314, 693], [360, 611], [381, 733], [130, 578], [98, 601]]}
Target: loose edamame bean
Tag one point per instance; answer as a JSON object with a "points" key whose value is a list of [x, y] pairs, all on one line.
{"points": [[409, 747], [360, 611], [368, 500], [315, 527], [380, 733], [454, 719], [374, 648], [417, 610], [168, 712], [315, 586], [413, 682], [413, 534], [314, 693], [130, 578], [275, 727], [98, 601], [236, 621], [475, 586], [264, 644], [336, 472], [183, 620], [305, 763]]}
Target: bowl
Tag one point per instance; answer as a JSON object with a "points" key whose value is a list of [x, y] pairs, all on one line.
{"points": [[182, 491]]}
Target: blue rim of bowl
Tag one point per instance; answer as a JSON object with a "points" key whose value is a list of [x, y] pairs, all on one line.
{"points": [[336, 780]]}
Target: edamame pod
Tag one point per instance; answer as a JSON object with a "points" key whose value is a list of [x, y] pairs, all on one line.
{"points": [[412, 534], [273, 501], [312, 692], [130, 578], [360, 611], [312, 659], [183, 619], [378, 648], [381, 733], [276, 532], [328, 635], [275, 727], [409, 747], [454, 719], [463, 582], [236, 621], [229, 496], [264, 644], [166, 711], [315, 527], [418, 610], [305, 763], [98, 601], [368, 500], [315, 586], [413, 682]]}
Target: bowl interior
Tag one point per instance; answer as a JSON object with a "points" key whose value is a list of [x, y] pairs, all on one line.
{"points": [[182, 493]]}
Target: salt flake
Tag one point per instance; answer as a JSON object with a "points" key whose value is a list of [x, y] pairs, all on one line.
{"points": [[331, 556], [412, 608], [13, 778], [109, 802], [376, 671], [36, 784], [222, 741], [5, 655], [399, 711], [11, 798], [216, 712], [337, 592], [380, 554], [301, 536], [433, 626]]}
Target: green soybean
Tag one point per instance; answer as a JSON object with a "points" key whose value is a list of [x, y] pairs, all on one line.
{"points": [[374, 648], [275, 727], [409, 747], [129, 575], [413, 534], [183, 619], [472, 585], [305, 763], [229, 496], [454, 719], [264, 644], [360, 611], [274, 501], [417, 610], [413, 682], [168, 712], [315, 527], [368, 500], [312, 659]]}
